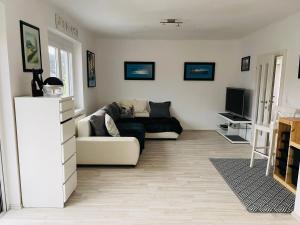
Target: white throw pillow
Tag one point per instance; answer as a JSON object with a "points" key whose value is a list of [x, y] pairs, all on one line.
{"points": [[140, 106], [111, 126]]}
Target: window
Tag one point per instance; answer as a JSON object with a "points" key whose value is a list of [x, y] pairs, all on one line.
{"points": [[65, 61], [61, 66]]}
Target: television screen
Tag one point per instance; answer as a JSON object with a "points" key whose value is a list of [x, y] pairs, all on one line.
{"points": [[235, 98]]}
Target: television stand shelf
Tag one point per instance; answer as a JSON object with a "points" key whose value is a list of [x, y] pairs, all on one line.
{"points": [[231, 129]]}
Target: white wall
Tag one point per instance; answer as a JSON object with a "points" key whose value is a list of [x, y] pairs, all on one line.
{"points": [[7, 133], [87, 41], [194, 103], [17, 82], [284, 35], [41, 15]]}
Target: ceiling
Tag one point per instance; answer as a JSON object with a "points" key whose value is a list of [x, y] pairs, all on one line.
{"points": [[203, 19]]}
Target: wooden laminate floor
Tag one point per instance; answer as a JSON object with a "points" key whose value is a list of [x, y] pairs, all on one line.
{"points": [[174, 183]]}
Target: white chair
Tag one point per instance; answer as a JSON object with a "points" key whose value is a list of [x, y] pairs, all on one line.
{"points": [[271, 132]]}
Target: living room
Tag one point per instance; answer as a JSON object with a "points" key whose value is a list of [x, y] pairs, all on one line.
{"points": [[164, 175]]}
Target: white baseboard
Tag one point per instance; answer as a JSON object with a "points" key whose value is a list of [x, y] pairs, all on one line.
{"points": [[14, 207], [296, 216]]}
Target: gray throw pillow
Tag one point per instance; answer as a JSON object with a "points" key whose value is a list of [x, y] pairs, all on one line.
{"points": [[98, 125], [160, 109], [113, 110]]}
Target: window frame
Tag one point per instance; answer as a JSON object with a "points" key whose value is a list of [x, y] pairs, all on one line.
{"points": [[61, 45], [62, 41]]}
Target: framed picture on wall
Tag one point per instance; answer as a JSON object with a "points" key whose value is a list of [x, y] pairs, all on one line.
{"points": [[245, 64], [91, 70], [31, 47], [139, 70], [201, 71], [299, 69]]}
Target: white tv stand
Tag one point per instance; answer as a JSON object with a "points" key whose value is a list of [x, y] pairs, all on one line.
{"points": [[232, 126]]}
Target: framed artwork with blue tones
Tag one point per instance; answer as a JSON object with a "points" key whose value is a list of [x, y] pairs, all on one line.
{"points": [[199, 71], [139, 70], [91, 70]]}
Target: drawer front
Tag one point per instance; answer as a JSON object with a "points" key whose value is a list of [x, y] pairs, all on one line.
{"points": [[66, 105], [69, 167], [68, 149], [66, 115], [70, 186], [67, 130]]}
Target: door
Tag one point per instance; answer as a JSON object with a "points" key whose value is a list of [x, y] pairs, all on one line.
{"points": [[3, 206], [265, 86], [2, 187], [264, 92], [2, 193], [278, 84]]}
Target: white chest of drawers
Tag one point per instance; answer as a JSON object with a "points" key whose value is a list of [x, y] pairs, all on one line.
{"points": [[47, 150]]}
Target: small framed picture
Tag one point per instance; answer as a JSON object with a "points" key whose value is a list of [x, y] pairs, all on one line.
{"points": [[245, 65], [299, 69], [31, 47], [139, 70], [204, 71], [91, 70]]}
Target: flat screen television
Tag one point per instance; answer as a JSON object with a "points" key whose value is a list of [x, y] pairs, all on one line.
{"points": [[235, 101]]}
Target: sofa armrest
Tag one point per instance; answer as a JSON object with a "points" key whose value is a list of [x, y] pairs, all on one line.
{"points": [[107, 150]]}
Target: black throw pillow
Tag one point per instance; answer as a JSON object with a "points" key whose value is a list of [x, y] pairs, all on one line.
{"points": [[160, 109]]}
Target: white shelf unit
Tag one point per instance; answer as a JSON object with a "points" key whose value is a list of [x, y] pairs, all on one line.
{"points": [[234, 127], [47, 150]]}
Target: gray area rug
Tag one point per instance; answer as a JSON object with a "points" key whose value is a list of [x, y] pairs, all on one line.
{"points": [[259, 193]]}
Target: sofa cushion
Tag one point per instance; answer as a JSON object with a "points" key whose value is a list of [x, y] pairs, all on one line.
{"points": [[160, 110], [140, 106], [132, 129], [142, 114], [98, 125], [155, 125], [84, 126], [127, 113], [111, 126], [125, 103], [113, 110]]}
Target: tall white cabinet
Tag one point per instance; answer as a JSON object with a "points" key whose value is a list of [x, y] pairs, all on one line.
{"points": [[47, 150]]}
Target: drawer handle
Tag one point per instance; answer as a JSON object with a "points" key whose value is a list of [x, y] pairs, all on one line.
{"points": [[66, 120]]}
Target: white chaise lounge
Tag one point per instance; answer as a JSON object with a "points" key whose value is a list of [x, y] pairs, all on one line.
{"points": [[104, 150]]}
